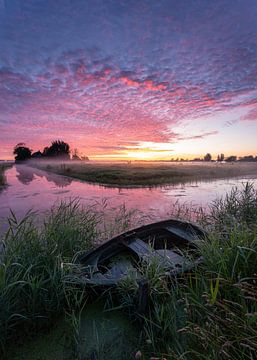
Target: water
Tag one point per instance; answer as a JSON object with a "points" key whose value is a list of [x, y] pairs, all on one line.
{"points": [[30, 188]]}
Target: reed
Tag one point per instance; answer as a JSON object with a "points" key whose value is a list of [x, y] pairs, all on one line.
{"points": [[210, 313], [34, 261]]}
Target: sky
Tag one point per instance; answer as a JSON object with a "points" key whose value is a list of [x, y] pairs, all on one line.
{"points": [[129, 79]]}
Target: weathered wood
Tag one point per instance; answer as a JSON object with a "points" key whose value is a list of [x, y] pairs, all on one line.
{"points": [[117, 258]]}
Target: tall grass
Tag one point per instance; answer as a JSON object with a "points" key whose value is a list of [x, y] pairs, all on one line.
{"points": [[210, 313], [33, 264], [236, 208], [35, 259]]}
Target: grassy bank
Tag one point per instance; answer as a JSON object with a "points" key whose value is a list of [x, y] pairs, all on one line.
{"points": [[34, 262], [208, 314], [147, 174], [3, 167], [211, 313]]}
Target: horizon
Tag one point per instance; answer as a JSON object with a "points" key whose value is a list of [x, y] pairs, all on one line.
{"points": [[129, 80]]}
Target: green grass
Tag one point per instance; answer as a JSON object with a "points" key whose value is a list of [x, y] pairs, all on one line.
{"points": [[210, 313], [35, 260], [33, 263], [146, 174]]}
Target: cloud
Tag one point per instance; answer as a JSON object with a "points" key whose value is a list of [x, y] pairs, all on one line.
{"points": [[199, 136], [161, 65], [251, 115]]}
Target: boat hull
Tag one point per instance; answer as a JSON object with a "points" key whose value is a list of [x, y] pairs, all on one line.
{"points": [[171, 242]]}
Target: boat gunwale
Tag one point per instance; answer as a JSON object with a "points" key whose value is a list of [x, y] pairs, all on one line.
{"points": [[131, 234]]}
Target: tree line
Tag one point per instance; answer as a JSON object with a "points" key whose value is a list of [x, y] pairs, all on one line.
{"points": [[222, 158], [57, 150]]}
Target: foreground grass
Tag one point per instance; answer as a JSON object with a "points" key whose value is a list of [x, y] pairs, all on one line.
{"points": [[146, 174], [32, 294], [34, 262], [210, 313]]}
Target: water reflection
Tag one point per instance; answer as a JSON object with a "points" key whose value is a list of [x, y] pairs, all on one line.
{"points": [[24, 175], [30, 188], [27, 174]]}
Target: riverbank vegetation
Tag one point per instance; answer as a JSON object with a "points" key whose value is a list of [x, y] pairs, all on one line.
{"points": [[3, 167], [146, 174], [207, 314]]}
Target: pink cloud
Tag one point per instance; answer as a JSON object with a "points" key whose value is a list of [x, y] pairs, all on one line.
{"points": [[97, 106]]}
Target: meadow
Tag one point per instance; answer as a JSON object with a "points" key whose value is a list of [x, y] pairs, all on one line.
{"points": [[146, 173], [210, 313]]}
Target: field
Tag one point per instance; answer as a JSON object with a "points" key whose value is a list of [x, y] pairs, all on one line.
{"points": [[146, 174], [208, 314]]}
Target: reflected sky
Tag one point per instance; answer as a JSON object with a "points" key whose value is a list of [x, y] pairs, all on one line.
{"points": [[27, 174], [30, 188]]}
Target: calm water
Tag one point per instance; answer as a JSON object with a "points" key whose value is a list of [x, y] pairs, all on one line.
{"points": [[31, 188]]}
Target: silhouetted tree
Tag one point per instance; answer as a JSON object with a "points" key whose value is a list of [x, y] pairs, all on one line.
{"points": [[248, 158], [220, 157], [59, 149], [22, 152], [231, 158], [207, 157], [84, 158], [75, 155], [45, 151], [36, 154]]}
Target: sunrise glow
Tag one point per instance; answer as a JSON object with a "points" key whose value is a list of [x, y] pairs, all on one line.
{"points": [[167, 81]]}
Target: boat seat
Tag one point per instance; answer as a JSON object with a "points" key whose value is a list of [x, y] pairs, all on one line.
{"points": [[182, 233], [166, 256], [139, 247], [115, 272], [171, 256]]}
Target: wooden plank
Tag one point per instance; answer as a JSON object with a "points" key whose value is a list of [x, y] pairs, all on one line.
{"points": [[139, 247], [188, 236]]}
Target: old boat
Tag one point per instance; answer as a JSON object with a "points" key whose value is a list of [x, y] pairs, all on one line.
{"points": [[171, 242]]}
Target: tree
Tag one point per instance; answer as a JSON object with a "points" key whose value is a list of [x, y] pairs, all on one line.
{"points": [[37, 155], [58, 149], [248, 158], [207, 157], [75, 155], [22, 152], [231, 158], [220, 157], [45, 151]]}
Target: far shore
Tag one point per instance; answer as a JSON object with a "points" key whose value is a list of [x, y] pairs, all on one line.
{"points": [[146, 174]]}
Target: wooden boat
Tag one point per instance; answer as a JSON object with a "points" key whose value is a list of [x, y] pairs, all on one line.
{"points": [[171, 242]]}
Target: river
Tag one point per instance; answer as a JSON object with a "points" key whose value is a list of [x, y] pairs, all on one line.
{"points": [[30, 188]]}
